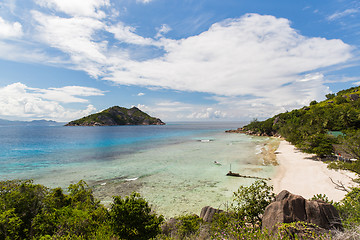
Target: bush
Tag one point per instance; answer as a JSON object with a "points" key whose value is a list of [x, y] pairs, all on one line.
{"points": [[301, 230], [188, 225], [72, 215], [131, 218], [322, 197], [349, 208], [330, 96], [250, 202], [31, 211], [234, 231], [313, 103], [20, 202]]}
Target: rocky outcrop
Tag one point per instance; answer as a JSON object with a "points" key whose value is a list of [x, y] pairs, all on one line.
{"points": [[354, 97], [254, 133], [117, 116], [239, 130], [289, 208], [207, 213]]}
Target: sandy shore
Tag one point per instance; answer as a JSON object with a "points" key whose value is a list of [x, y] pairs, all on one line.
{"points": [[301, 175]]}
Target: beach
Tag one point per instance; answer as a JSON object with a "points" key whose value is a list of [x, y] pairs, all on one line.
{"points": [[301, 174]]}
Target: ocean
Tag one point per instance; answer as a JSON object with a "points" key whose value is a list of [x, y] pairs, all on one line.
{"points": [[172, 166]]}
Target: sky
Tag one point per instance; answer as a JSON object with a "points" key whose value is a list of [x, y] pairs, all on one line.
{"points": [[179, 60]]}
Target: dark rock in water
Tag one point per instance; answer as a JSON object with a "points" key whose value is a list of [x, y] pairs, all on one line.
{"points": [[231, 174], [289, 208], [207, 213], [117, 116]]}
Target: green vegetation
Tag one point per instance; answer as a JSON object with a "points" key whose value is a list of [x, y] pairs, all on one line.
{"points": [[308, 128], [117, 116], [349, 208], [250, 202], [32, 211], [131, 218]]}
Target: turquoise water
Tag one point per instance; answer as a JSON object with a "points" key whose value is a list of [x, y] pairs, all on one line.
{"points": [[172, 166]]}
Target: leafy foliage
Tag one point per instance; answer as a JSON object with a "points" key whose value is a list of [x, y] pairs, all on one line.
{"points": [[250, 202], [29, 210], [188, 225], [349, 208], [350, 145], [131, 218], [351, 142], [301, 230], [323, 198], [20, 202]]}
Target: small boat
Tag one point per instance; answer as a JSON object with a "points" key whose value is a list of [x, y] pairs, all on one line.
{"points": [[217, 163]]}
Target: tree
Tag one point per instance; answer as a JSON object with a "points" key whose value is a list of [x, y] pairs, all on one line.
{"points": [[250, 202], [330, 96], [313, 103], [349, 208], [20, 202], [70, 216], [131, 218], [351, 143], [32, 211]]}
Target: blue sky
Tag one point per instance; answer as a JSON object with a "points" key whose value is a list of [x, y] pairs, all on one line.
{"points": [[187, 60]]}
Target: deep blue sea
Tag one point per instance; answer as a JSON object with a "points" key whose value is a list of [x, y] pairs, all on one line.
{"points": [[169, 165]]}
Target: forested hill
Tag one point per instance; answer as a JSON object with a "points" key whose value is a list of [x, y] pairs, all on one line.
{"points": [[117, 116], [312, 128]]}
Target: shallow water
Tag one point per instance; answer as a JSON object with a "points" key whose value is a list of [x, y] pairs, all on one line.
{"points": [[172, 166]]}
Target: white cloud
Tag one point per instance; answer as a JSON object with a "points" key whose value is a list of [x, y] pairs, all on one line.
{"points": [[174, 110], [67, 94], [312, 77], [19, 100], [87, 8], [16, 52], [163, 30], [144, 1], [75, 37], [208, 113], [342, 14], [235, 57], [127, 34], [10, 30]]}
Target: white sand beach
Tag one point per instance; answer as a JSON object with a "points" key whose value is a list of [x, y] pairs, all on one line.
{"points": [[301, 175]]}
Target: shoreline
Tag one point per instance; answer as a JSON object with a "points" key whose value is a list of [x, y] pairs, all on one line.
{"points": [[298, 173]]}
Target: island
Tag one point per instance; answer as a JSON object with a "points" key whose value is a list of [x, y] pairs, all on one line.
{"points": [[115, 116]]}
